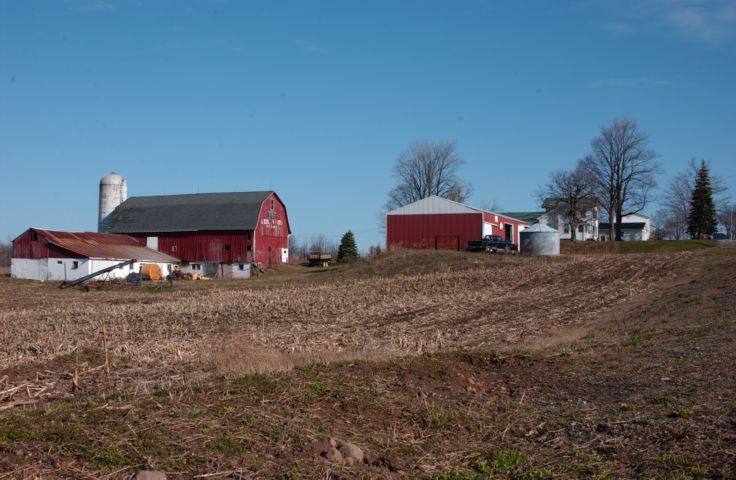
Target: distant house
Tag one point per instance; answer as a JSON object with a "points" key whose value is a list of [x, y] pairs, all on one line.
{"points": [[634, 226], [554, 217], [43, 255], [438, 223]]}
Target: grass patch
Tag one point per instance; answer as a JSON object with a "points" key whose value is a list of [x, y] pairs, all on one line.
{"points": [[13, 435], [226, 446], [681, 412], [501, 461], [435, 417]]}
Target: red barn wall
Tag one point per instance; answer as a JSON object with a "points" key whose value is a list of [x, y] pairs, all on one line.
{"points": [[441, 231], [206, 247], [272, 232]]}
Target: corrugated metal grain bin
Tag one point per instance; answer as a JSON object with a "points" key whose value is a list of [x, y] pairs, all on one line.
{"points": [[540, 240]]}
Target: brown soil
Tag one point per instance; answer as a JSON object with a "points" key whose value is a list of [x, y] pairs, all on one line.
{"points": [[603, 367]]}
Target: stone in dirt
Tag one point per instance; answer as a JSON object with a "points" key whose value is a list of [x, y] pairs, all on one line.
{"points": [[334, 455], [150, 475], [351, 453]]}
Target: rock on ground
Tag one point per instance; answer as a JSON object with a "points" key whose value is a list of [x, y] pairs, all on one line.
{"points": [[150, 475]]}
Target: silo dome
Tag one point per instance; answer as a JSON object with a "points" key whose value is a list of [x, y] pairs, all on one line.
{"points": [[113, 192], [112, 178], [540, 240]]}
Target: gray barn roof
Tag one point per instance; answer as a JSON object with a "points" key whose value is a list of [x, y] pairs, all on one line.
{"points": [[188, 213]]}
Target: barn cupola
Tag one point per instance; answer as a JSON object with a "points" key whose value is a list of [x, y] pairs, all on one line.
{"points": [[113, 192]]}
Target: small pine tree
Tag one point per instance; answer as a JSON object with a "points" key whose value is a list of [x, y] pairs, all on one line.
{"points": [[702, 220], [348, 250]]}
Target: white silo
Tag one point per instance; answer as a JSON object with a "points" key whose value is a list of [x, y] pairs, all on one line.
{"points": [[113, 192]]}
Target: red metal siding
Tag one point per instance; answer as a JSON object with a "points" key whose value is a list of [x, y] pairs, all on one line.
{"points": [[26, 247], [440, 231], [489, 217], [272, 232], [205, 247]]}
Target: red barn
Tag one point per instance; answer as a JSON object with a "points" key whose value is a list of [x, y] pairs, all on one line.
{"points": [[438, 223], [212, 233]]}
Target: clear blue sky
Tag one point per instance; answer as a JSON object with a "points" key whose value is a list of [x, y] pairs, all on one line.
{"points": [[317, 99]]}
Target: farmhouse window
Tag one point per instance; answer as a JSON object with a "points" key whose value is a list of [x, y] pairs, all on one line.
{"points": [[241, 266], [567, 228], [196, 266]]}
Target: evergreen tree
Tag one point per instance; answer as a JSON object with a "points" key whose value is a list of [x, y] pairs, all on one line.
{"points": [[702, 218], [348, 250]]}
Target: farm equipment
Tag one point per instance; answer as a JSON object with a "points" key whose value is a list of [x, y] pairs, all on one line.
{"points": [[491, 243], [80, 280], [316, 259]]}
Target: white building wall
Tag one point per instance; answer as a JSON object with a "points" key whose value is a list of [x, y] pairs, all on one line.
{"points": [[234, 270], [63, 269], [487, 228], [29, 269]]}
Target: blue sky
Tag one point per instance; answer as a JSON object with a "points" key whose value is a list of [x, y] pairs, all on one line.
{"points": [[317, 99]]}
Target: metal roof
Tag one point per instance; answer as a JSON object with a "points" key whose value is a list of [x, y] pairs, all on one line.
{"points": [[529, 217], [433, 204], [188, 213], [540, 227], [439, 205], [104, 245]]}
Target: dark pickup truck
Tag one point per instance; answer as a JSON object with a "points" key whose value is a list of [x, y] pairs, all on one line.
{"points": [[491, 243]]}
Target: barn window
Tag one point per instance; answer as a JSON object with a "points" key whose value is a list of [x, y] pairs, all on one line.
{"points": [[249, 247], [34, 235], [241, 266], [272, 204], [227, 248], [196, 266], [75, 265], [173, 248], [59, 262]]}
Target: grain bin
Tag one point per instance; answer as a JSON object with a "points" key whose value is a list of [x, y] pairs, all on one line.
{"points": [[540, 240]]}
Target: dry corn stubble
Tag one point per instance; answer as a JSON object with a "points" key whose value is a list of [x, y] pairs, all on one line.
{"points": [[257, 328]]}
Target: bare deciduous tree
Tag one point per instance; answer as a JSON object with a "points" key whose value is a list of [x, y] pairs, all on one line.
{"points": [[573, 193], [623, 168], [727, 218], [6, 252], [323, 244], [427, 169]]}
